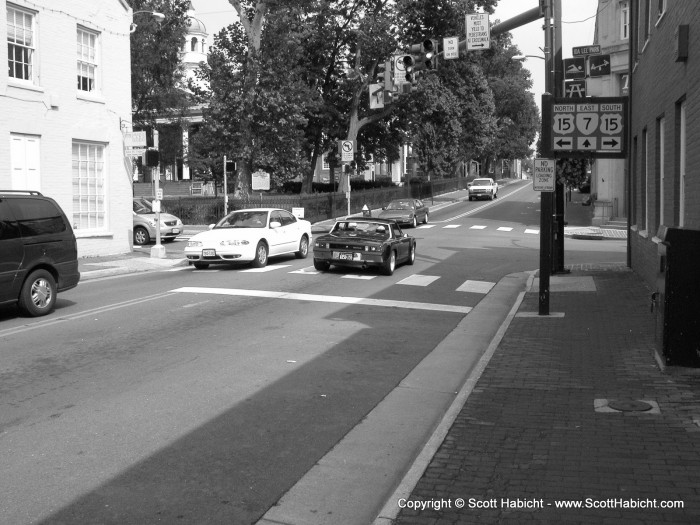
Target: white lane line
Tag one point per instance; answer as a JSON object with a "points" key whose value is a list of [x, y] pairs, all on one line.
{"points": [[266, 269], [477, 227], [504, 229], [488, 203], [476, 286], [419, 280], [326, 299]]}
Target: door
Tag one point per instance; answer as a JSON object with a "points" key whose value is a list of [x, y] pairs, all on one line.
{"points": [[11, 254], [401, 244], [24, 162]]}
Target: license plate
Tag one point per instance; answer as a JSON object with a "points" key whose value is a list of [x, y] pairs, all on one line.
{"points": [[208, 253], [343, 256]]}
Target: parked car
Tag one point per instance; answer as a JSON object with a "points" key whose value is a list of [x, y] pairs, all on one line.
{"points": [[364, 242], [145, 224], [38, 252], [486, 188], [406, 211], [251, 235]]}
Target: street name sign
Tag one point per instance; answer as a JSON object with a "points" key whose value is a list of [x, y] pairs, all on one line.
{"points": [[586, 50], [593, 127], [478, 31], [135, 139], [544, 176], [450, 47]]}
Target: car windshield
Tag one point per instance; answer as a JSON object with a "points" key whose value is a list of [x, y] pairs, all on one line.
{"points": [[353, 229], [399, 205], [141, 208], [244, 219], [482, 182]]}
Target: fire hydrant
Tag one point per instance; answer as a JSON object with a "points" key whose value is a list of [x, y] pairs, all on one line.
{"points": [[366, 212]]}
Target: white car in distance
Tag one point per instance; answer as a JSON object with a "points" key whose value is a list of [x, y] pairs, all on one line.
{"points": [[251, 235], [483, 188]]}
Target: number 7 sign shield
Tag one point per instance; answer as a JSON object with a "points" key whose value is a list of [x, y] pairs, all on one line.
{"points": [[587, 123]]}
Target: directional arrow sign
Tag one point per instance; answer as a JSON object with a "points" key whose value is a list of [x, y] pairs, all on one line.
{"points": [[600, 65], [563, 143], [478, 31]]}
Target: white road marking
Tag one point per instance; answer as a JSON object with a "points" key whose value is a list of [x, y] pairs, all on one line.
{"points": [[419, 280], [504, 229], [309, 270], [326, 299], [476, 286], [534, 232], [477, 227], [426, 226], [359, 277], [451, 226], [266, 269]]}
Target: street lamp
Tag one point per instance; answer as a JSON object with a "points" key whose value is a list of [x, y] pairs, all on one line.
{"points": [[158, 17], [523, 57]]}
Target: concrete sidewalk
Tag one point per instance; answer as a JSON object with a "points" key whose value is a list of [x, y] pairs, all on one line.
{"points": [[573, 409]]}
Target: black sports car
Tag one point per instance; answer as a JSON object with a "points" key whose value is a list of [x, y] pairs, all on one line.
{"points": [[363, 242]]}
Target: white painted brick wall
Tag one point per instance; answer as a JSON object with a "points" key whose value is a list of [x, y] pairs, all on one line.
{"points": [[53, 110]]}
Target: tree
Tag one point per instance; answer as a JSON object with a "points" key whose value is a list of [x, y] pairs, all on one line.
{"points": [[156, 71]]}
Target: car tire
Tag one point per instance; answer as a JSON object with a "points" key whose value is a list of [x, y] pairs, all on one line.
{"points": [[38, 294], [411, 255], [415, 222], [303, 248], [470, 198], [141, 236], [321, 266], [201, 265], [427, 218], [389, 263], [261, 255]]}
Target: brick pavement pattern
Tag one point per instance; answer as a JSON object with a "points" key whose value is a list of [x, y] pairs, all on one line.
{"points": [[530, 431]]}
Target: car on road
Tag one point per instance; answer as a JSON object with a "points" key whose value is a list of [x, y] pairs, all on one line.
{"points": [[406, 211], [145, 224], [363, 242], [251, 235], [483, 188], [38, 252]]}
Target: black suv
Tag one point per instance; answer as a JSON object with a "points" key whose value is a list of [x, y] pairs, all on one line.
{"points": [[38, 251]]}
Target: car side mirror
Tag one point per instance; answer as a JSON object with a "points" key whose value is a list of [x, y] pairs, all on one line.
{"points": [[383, 207], [275, 224], [211, 226]]}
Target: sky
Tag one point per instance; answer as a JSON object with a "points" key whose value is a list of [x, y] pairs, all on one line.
{"points": [[578, 26]]}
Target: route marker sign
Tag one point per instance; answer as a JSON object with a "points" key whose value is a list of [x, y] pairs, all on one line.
{"points": [[478, 31], [593, 127], [544, 176]]}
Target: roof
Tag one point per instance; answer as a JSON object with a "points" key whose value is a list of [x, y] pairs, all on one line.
{"points": [[196, 26]]}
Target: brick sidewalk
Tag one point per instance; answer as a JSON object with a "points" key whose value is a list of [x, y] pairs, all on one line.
{"points": [[537, 428]]}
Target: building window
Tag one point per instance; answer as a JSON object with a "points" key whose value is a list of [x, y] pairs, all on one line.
{"points": [[624, 21], [25, 156], [193, 44], [87, 60], [88, 186], [20, 44]]}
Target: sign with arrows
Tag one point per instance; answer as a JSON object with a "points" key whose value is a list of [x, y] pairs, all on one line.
{"points": [[593, 127], [599, 65], [478, 31]]}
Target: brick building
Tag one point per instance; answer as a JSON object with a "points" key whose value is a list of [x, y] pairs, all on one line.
{"points": [[665, 125], [62, 137]]}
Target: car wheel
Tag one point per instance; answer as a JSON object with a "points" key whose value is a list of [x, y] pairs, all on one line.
{"points": [[427, 218], [38, 294], [415, 222], [303, 248], [495, 195], [389, 264], [470, 197], [141, 236], [321, 266], [411, 255], [201, 265], [260, 260]]}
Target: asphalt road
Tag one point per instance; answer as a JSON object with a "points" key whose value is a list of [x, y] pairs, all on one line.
{"points": [[191, 396]]}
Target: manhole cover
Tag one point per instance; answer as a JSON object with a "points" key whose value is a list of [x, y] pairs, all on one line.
{"points": [[629, 405]]}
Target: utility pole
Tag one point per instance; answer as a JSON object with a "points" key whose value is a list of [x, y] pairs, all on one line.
{"points": [[559, 189]]}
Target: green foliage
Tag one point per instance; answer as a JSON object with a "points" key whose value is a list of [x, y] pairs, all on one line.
{"points": [[572, 171]]}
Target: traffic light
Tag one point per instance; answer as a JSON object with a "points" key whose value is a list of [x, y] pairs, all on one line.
{"points": [[430, 51], [151, 157], [409, 64], [385, 74]]}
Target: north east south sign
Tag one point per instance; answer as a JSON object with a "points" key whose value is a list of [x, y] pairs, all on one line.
{"points": [[590, 127]]}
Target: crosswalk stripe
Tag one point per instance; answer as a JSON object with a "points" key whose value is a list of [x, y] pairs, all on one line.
{"points": [[449, 226], [426, 226], [476, 287], [419, 280], [504, 229], [360, 277], [535, 232], [411, 305], [266, 268], [477, 227]]}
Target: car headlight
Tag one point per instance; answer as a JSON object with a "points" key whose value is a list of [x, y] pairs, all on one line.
{"points": [[373, 248], [194, 244], [234, 242]]}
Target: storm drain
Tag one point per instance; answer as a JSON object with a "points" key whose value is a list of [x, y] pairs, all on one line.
{"points": [[640, 406]]}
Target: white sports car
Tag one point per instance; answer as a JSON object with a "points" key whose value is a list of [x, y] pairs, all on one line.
{"points": [[250, 235]]}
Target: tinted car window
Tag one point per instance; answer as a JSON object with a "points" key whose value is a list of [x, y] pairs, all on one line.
{"points": [[287, 218], [37, 216], [8, 226]]}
